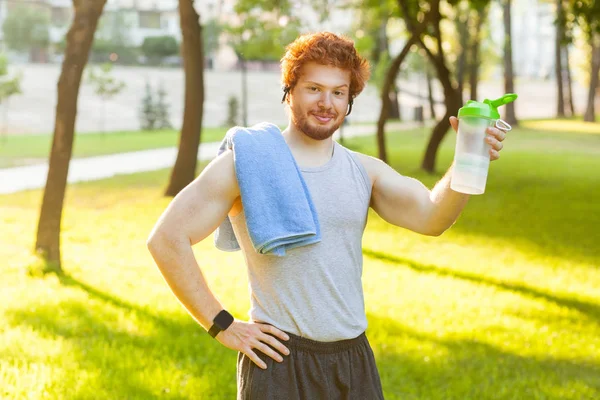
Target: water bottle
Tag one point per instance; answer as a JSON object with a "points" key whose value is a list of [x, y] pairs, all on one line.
{"points": [[471, 155]]}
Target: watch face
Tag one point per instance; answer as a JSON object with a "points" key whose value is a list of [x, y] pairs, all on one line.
{"points": [[223, 320]]}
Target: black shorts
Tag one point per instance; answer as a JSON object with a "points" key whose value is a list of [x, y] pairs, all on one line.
{"points": [[312, 371]]}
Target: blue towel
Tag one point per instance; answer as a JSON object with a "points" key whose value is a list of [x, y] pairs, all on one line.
{"points": [[279, 211]]}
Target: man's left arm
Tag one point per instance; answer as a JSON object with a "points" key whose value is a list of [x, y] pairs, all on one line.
{"points": [[406, 202]]}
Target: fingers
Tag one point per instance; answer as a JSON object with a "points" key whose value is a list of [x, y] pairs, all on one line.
{"points": [[276, 344], [495, 143], [454, 123], [498, 134], [495, 138], [494, 155], [255, 359], [261, 339], [268, 351], [274, 331]]}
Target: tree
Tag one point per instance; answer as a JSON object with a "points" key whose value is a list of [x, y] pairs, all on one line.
{"points": [[162, 108], [156, 48], [9, 86], [479, 14], [106, 87], [413, 17], [184, 170], [268, 26], [148, 109], [211, 33], [588, 18], [371, 33], [509, 86], [558, 45], [79, 42], [27, 29]]}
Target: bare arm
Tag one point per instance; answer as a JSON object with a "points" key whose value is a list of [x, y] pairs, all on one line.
{"points": [[406, 202], [193, 215]]}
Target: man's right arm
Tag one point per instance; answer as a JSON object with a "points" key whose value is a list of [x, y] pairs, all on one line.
{"points": [[191, 217]]}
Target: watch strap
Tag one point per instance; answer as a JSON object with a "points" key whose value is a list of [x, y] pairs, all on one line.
{"points": [[221, 322]]}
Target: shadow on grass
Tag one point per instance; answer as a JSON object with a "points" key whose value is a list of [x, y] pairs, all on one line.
{"points": [[438, 368], [542, 203], [176, 359], [119, 361], [589, 309]]}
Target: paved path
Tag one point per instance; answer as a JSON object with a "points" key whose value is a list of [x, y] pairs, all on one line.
{"points": [[93, 168]]}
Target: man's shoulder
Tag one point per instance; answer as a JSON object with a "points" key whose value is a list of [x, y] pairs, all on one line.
{"points": [[371, 164], [221, 171]]}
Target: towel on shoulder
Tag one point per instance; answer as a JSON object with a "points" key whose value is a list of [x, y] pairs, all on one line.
{"points": [[280, 214]]}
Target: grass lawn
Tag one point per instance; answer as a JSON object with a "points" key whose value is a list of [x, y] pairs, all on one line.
{"points": [[505, 305], [18, 150]]}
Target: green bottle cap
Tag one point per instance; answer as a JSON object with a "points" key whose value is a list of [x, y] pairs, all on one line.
{"points": [[486, 109]]}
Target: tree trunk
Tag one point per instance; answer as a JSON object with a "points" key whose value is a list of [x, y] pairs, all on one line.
{"points": [[474, 59], [565, 60], [452, 101], [184, 170], [79, 41], [390, 79], [509, 86], [560, 105], [394, 112], [382, 47], [463, 33], [590, 112], [452, 97], [430, 94]]}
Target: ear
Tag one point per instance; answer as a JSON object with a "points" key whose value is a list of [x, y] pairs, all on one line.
{"points": [[286, 91]]}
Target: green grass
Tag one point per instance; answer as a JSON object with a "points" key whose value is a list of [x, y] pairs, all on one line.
{"points": [[18, 150], [505, 305]]}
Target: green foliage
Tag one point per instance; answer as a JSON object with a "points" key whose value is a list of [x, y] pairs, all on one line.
{"points": [[587, 13], [265, 28], [261, 37], [113, 37], [9, 85], [210, 36], [105, 85], [154, 110], [148, 109], [115, 28], [158, 47], [162, 108], [233, 107], [26, 28]]}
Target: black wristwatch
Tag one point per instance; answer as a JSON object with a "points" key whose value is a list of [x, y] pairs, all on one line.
{"points": [[220, 323]]}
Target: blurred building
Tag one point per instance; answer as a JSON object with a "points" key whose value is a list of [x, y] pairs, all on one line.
{"points": [[144, 18], [532, 26]]}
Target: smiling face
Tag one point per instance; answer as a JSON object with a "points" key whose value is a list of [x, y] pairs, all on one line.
{"points": [[319, 100]]}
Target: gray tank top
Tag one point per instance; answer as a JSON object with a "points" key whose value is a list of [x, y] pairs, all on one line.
{"points": [[315, 291]]}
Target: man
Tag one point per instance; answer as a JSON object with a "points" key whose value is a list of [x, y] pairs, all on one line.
{"points": [[306, 337]]}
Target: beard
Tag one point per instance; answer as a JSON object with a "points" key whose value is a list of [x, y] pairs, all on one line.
{"points": [[311, 128]]}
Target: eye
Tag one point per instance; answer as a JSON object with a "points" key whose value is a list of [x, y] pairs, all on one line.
{"points": [[313, 88], [338, 93]]}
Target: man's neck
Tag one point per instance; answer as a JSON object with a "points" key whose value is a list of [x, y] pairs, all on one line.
{"points": [[307, 151]]}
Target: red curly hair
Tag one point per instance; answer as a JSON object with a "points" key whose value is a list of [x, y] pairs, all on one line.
{"points": [[327, 49]]}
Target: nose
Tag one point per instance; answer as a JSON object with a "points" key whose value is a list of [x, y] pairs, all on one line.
{"points": [[325, 100]]}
